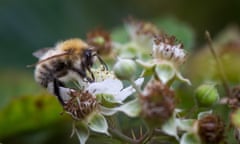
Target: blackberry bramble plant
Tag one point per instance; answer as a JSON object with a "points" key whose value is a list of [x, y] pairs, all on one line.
{"points": [[137, 82]]}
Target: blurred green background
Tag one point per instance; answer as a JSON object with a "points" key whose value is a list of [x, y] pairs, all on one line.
{"points": [[28, 25]]}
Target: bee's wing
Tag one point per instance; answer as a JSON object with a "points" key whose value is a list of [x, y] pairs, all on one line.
{"points": [[41, 52]]}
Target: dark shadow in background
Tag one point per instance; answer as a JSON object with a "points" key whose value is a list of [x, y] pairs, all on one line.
{"points": [[28, 25]]}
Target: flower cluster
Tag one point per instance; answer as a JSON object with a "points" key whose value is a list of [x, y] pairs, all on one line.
{"points": [[140, 83]]}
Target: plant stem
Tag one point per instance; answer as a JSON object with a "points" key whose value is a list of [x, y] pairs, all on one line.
{"points": [[148, 136], [135, 86], [121, 136], [219, 65], [142, 140]]}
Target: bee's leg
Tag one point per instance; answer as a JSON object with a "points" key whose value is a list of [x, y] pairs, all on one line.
{"points": [[56, 90], [101, 61], [92, 75], [82, 73]]}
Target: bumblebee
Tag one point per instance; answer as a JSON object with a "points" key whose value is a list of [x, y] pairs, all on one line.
{"points": [[68, 60]]}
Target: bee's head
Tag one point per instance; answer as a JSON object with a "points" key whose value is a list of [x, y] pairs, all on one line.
{"points": [[87, 58]]}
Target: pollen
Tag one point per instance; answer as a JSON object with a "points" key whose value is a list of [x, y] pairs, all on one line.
{"points": [[101, 74]]}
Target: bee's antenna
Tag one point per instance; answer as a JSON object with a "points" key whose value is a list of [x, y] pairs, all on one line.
{"points": [[101, 61]]}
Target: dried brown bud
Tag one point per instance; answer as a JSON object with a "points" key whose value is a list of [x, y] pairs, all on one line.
{"points": [[142, 27], [211, 129], [81, 105], [164, 38], [157, 102], [235, 92], [233, 101], [100, 40]]}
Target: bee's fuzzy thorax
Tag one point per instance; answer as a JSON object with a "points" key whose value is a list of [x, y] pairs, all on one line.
{"points": [[75, 46]]}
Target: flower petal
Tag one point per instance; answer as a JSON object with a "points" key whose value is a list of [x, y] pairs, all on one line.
{"points": [[123, 94], [108, 86]]}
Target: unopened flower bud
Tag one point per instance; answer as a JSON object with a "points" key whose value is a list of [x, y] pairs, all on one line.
{"points": [[206, 95], [124, 69]]}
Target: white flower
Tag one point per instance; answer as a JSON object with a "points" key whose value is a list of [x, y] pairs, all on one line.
{"points": [[165, 49], [95, 120], [113, 87]]}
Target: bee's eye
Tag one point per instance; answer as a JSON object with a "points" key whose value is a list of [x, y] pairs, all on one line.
{"points": [[88, 54]]}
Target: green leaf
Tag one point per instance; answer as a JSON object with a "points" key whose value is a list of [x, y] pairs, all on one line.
{"points": [[15, 83], [190, 138], [98, 123], [165, 72], [182, 31], [82, 132], [28, 113]]}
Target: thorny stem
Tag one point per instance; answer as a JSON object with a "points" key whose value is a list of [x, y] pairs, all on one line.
{"points": [[121, 136], [142, 140], [149, 136], [219, 64]]}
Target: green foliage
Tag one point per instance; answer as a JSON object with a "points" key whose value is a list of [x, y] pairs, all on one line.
{"points": [[28, 113], [182, 31], [15, 83]]}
